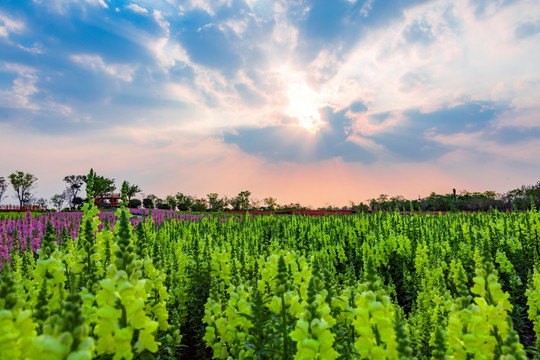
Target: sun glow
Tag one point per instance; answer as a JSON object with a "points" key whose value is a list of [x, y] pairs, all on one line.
{"points": [[304, 105]]}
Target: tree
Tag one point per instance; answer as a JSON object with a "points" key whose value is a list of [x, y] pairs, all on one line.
{"points": [[361, 206], [41, 202], [199, 205], [132, 190], [271, 203], [148, 203], [78, 202], [102, 186], [255, 203], [3, 187], [22, 184], [184, 202], [171, 201], [135, 203], [241, 201], [58, 201], [215, 203], [74, 185], [162, 204]]}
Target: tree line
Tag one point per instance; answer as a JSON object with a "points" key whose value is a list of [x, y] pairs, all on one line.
{"points": [[23, 186]]}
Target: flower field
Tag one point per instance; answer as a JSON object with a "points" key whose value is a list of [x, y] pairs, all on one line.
{"points": [[365, 286]]}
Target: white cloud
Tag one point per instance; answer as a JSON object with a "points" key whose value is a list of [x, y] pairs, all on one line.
{"points": [[209, 6], [167, 53], [163, 24], [35, 49], [520, 117], [468, 58], [96, 63], [61, 6], [20, 95], [284, 34], [476, 143], [366, 8], [137, 9], [19, 68], [238, 26], [9, 25], [24, 86]]}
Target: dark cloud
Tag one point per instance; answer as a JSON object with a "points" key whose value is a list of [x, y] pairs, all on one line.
{"points": [[379, 118], [469, 117], [406, 145], [513, 135], [118, 38], [527, 29], [338, 25], [412, 139], [295, 144], [358, 107]]}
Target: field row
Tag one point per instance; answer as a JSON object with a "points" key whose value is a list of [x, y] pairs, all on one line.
{"points": [[374, 286]]}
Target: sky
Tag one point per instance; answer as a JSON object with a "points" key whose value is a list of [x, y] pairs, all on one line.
{"points": [[309, 101]]}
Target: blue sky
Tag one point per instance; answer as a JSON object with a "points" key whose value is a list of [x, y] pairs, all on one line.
{"points": [[284, 98]]}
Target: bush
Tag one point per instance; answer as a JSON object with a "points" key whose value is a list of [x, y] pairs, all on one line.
{"points": [[148, 203], [135, 203], [163, 206]]}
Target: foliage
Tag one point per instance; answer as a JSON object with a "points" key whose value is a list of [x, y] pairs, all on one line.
{"points": [[215, 203], [241, 201], [170, 201], [184, 202], [148, 203], [131, 190], [22, 184], [101, 185], [58, 201], [270, 203], [199, 205], [74, 185], [135, 203], [183, 286]]}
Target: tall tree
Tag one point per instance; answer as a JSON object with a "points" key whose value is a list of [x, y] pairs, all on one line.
{"points": [[271, 203], [184, 202], [171, 201], [3, 187], [215, 203], [102, 186], [41, 202], [241, 201], [22, 185], [199, 205], [132, 190], [149, 202], [58, 200], [74, 185]]}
